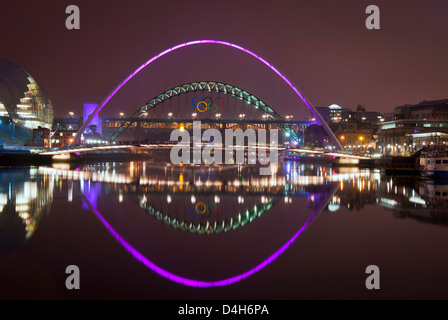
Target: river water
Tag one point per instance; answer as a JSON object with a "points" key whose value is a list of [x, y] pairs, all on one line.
{"points": [[151, 230]]}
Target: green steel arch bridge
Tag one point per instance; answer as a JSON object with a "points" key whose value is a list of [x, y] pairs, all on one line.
{"points": [[222, 111]]}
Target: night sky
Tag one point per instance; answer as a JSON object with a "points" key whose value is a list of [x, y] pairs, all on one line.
{"points": [[322, 46]]}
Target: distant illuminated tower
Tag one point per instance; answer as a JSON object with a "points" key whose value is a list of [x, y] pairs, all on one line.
{"points": [[88, 109], [335, 113]]}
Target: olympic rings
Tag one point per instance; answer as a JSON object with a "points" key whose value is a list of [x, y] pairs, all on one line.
{"points": [[202, 209], [218, 103], [203, 205]]}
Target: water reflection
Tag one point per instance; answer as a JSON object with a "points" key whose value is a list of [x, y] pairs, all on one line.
{"points": [[356, 189], [423, 200], [158, 211], [204, 201], [189, 198], [25, 198], [194, 282]]}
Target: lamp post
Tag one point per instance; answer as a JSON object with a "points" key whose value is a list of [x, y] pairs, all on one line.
{"points": [[343, 141], [13, 129], [51, 135]]}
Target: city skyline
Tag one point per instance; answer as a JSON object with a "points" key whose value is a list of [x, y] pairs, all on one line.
{"points": [[343, 63]]}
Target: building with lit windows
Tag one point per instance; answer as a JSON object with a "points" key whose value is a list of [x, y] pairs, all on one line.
{"points": [[46, 138], [361, 115], [411, 127], [425, 110], [357, 130], [333, 113], [357, 138], [22, 102], [67, 123]]}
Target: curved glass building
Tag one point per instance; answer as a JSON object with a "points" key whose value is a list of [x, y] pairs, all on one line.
{"points": [[21, 98]]}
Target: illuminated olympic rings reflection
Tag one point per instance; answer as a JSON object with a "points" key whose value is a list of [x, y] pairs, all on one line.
{"points": [[207, 103], [204, 210]]}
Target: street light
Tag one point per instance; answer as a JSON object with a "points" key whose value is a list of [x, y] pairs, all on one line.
{"points": [[121, 114], [71, 114], [194, 115], [51, 135], [218, 116], [242, 115], [170, 115]]}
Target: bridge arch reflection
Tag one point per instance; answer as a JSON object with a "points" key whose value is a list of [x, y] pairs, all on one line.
{"points": [[268, 190], [199, 283], [207, 225]]}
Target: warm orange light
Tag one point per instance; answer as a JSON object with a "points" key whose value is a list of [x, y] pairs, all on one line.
{"points": [[131, 169], [342, 137], [361, 138]]}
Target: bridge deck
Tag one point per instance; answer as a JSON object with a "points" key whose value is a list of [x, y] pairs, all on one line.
{"points": [[158, 146]]}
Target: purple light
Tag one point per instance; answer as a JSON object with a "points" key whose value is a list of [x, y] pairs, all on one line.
{"points": [[191, 282], [190, 43]]}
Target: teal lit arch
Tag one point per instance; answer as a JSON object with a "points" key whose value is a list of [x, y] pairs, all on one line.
{"points": [[209, 86]]}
